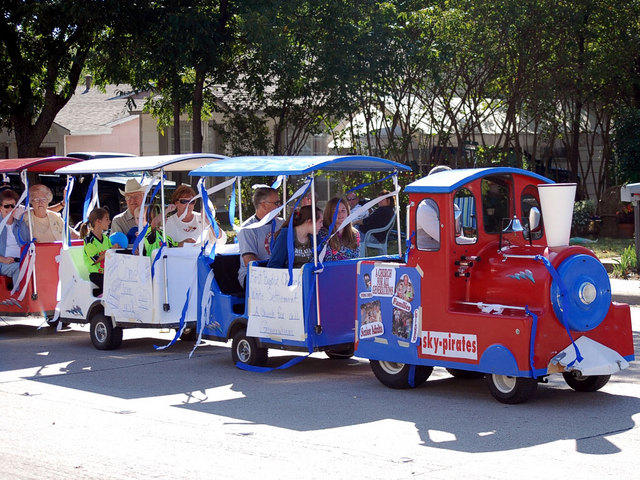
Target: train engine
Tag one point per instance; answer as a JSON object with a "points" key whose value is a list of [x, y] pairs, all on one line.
{"points": [[499, 292]]}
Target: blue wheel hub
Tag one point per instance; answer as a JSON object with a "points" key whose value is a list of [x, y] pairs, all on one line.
{"points": [[588, 295]]}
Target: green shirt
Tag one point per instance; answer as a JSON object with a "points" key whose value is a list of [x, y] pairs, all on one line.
{"points": [[153, 240], [92, 250]]}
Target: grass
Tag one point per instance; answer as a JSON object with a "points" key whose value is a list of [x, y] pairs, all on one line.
{"points": [[610, 247]]}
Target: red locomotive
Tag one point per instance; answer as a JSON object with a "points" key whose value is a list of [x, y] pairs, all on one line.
{"points": [[491, 288]]}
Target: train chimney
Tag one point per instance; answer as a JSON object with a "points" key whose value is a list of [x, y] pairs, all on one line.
{"points": [[556, 201]]}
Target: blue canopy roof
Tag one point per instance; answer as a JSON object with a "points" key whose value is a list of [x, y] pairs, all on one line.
{"points": [[449, 180], [292, 165]]}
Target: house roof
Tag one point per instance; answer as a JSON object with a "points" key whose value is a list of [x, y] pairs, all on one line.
{"points": [[93, 111], [449, 180]]}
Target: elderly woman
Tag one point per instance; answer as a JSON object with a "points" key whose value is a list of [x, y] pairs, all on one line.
{"points": [[184, 227], [47, 226]]}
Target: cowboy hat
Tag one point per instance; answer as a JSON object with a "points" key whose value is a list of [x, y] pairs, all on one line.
{"points": [[132, 186]]}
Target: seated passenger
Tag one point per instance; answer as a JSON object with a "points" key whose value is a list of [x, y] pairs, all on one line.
{"points": [[343, 243], [460, 238], [12, 236], [185, 226], [46, 226], [379, 218], [302, 239], [96, 243], [255, 243], [127, 221]]}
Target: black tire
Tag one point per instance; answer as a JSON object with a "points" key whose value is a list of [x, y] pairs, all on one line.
{"points": [[511, 390], [189, 335], [466, 374], [590, 383], [340, 354], [396, 375], [245, 350], [104, 335]]}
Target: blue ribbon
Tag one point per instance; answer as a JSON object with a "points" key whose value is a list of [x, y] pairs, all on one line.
{"points": [[142, 234], [156, 258], [180, 326], [532, 339], [408, 246], [563, 294], [208, 212], [25, 249], [276, 184], [255, 368], [87, 199], [412, 376], [232, 206], [290, 249]]}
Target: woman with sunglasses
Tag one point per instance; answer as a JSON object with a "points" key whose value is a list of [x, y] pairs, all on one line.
{"points": [[46, 226], [12, 236], [184, 227]]}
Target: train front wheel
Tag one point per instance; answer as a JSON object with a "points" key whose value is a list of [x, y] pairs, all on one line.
{"points": [[398, 375], [590, 383], [246, 350], [511, 390], [104, 335]]}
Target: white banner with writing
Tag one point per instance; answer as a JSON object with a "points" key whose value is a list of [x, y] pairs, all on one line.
{"points": [[275, 309]]}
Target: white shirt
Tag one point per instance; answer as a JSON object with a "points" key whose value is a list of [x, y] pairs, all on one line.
{"points": [[13, 247], [180, 230]]}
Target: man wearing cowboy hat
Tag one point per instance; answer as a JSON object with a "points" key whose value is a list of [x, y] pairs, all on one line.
{"points": [[127, 221]]}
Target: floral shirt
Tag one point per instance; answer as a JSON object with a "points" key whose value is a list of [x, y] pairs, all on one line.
{"points": [[344, 253]]}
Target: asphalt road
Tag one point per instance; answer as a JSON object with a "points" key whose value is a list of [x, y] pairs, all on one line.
{"points": [[70, 411]]}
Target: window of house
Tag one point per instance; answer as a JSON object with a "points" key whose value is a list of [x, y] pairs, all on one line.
{"points": [[428, 225], [464, 213], [528, 200], [495, 202]]}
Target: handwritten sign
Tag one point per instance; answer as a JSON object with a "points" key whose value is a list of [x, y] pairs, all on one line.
{"points": [[128, 294], [275, 309]]}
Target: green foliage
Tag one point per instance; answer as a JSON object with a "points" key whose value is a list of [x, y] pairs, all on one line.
{"points": [[583, 212], [626, 167], [628, 263]]}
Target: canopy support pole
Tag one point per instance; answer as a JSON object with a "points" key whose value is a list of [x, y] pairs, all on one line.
{"points": [[397, 197], [284, 195], [25, 182], [315, 251], [166, 307], [239, 200]]}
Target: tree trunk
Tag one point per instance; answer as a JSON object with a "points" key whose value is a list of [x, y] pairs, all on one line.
{"points": [[176, 124], [197, 110]]}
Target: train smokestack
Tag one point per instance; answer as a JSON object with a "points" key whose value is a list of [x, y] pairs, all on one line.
{"points": [[556, 201]]}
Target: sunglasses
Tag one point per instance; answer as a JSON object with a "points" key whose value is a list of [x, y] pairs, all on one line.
{"points": [[278, 203], [7, 206], [184, 201]]}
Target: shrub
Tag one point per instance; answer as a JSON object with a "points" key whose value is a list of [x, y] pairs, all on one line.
{"points": [[627, 264], [583, 212]]}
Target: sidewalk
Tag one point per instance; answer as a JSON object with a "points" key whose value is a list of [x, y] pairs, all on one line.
{"points": [[625, 291]]}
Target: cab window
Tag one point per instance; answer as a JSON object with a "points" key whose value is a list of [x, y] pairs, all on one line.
{"points": [[464, 213], [495, 202], [428, 225], [528, 200]]}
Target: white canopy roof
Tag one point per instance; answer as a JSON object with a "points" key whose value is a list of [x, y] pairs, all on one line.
{"points": [[170, 163]]}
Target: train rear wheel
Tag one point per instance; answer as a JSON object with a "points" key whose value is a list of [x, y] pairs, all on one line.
{"points": [[104, 335], [397, 375], [511, 390], [340, 354], [590, 383], [246, 350]]}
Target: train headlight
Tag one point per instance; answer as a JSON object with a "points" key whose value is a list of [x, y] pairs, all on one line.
{"points": [[588, 292]]}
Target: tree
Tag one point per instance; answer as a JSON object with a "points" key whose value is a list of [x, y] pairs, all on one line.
{"points": [[44, 46]]}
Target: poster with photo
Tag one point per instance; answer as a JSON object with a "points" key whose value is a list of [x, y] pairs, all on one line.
{"points": [[389, 302]]}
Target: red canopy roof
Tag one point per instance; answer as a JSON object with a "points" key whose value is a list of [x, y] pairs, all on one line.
{"points": [[36, 165]]}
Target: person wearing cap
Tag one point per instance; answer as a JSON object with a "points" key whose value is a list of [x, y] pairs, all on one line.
{"points": [[127, 221]]}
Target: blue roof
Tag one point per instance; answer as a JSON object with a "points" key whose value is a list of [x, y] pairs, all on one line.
{"points": [[292, 165], [449, 180]]}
